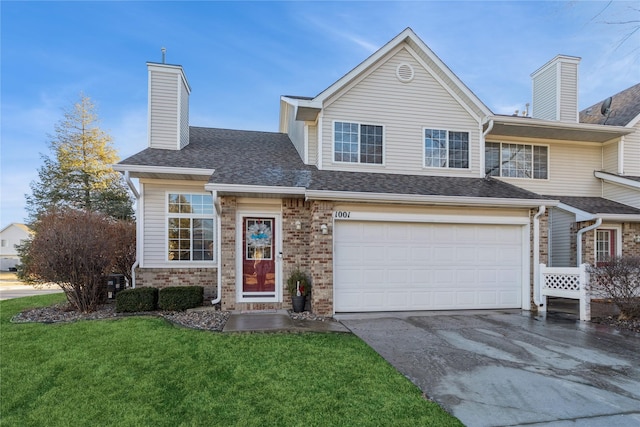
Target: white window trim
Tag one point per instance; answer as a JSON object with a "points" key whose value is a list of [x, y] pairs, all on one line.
{"points": [[618, 229], [424, 150], [263, 211], [484, 166], [167, 214], [356, 122]]}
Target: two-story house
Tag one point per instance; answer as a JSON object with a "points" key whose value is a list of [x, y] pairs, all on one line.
{"points": [[12, 236], [396, 188]]}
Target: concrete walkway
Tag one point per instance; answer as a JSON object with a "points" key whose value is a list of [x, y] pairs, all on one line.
{"points": [[278, 321], [506, 368]]}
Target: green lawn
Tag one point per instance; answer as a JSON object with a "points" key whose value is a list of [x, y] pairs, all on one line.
{"points": [[142, 371]]}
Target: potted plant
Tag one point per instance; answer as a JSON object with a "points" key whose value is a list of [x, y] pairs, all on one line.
{"points": [[299, 287]]}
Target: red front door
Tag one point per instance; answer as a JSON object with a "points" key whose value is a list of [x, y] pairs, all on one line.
{"points": [[258, 257]]}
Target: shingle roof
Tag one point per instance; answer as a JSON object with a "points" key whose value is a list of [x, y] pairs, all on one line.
{"points": [[416, 185], [597, 205], [625, 106], [270, 159]]}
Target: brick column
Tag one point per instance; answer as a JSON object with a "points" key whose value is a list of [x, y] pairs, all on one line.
{"points": [[295, 251], [321, 257], [227, 253]]}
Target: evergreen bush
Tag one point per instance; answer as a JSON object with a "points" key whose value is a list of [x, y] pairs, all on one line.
{"points": [[180, 298], [136, 300]]}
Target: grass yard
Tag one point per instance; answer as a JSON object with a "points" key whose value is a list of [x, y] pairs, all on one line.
{"points": [[142, 371]]}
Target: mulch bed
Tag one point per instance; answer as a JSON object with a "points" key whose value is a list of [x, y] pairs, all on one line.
{"points": [[211, 320]]}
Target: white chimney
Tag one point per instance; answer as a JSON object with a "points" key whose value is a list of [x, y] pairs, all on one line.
{"points": [[168, 106], [555, 90]]}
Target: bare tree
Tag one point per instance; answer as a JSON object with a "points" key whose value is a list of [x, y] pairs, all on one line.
{"points": [[619, 280], [77, 250]]}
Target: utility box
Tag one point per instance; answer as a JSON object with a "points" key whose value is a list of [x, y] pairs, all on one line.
{"points": [[115, 284]]}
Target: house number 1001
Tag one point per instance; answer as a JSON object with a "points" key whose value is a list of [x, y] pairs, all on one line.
{"points": [[342, 214]]}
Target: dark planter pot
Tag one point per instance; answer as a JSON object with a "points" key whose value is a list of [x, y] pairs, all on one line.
{"points": [[298, 303]]}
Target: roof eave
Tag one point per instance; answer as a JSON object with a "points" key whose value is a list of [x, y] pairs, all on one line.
{"points": [[536, 128], [145, 171], [617, 179], [242, 189], [347, 196]]}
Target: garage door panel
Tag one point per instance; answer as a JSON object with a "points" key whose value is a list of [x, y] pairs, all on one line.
{"points": [[421, 266]]}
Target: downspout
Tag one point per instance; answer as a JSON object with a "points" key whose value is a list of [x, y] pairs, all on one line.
{"points": [[536, 256], [216, 204], [579, 238], [489, 129], [136, 194]]}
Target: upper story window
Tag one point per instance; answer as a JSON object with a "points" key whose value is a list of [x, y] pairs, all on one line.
{"points": [[516, 160], [446, 149], [357, 143], [190, 227]]}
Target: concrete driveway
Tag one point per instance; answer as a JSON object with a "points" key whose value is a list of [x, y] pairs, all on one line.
{"points": [[505, 368]]}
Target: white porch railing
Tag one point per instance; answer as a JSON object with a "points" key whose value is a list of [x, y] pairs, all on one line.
{"points": [[566, 282]]}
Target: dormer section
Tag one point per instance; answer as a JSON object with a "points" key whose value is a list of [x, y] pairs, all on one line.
{"points": [[555, 90], [168, 107]]}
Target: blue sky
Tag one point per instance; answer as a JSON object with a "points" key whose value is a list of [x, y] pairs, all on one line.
{"points": [[240, 57]]}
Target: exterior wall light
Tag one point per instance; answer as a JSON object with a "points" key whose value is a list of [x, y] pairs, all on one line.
{"points": [[298, 225], [324, 229], [637, 239]]}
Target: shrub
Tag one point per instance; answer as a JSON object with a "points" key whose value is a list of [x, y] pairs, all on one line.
{"points": [[137, 299], [77, 251], [180, 298], [619, 280]]}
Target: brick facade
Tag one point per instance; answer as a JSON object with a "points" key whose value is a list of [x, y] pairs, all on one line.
{"points": [[544, 250], [629, 246], [321, 247], [165, 277]]}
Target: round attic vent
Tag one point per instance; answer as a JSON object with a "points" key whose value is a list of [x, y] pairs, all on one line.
{"points": [[404, 72]]}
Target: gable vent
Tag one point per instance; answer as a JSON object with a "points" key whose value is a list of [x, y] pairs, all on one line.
{"points": [[404, 72]]}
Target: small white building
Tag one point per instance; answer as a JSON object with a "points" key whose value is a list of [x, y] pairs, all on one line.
{"points": [[12, 236]]}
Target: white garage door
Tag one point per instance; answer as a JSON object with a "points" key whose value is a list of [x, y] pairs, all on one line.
{"points": [[386, 266]]}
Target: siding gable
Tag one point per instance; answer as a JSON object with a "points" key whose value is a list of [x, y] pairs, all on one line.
{"points": [[404, 109]]}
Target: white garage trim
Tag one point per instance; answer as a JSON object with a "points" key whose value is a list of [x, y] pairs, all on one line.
{"points": [[516, 226]]}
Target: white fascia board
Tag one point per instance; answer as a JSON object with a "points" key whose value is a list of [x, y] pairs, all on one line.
{"points": [[619, 217], [296, 102], [633, 121], [264, 189], [579, 213], [615, 131], [162, 170], [616, 179], [346, 196]]}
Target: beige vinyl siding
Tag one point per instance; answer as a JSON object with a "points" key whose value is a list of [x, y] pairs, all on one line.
{"points": [[570, 169], [313, 145], [560, 237], [632, 152], [610, 158], [404, 110], [568, 92], [545, 103], [295, 130], [184, 115], [621, 194], [440, 72], [163, 105], [155, 220]]}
